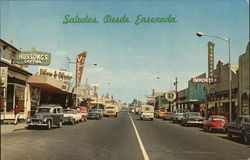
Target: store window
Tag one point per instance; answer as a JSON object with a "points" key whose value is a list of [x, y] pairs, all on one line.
{"points": [[2, 98], [10, 97]]}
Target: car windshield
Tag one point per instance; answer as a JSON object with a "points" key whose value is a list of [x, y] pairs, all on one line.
{"points": [[43, 110], [68, 111], [219, 118], [110, 107]]}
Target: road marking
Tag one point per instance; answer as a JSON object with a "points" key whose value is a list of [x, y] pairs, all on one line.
{"points": [[144, 153]]}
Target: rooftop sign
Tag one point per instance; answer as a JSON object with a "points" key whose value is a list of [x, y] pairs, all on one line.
{"points": [[204, 80], [33, 57]]}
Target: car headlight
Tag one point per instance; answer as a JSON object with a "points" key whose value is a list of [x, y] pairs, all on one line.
{"points": [[45, 119], [28, 119]]}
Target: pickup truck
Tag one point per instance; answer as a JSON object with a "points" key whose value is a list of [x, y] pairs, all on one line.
{"points": [[240, 127]]}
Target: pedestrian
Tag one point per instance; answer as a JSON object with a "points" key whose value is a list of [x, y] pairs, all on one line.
{"points": [[17, 114]]}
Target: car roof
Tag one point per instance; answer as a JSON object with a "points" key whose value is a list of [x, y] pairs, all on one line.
{"points": [[50, 106]]}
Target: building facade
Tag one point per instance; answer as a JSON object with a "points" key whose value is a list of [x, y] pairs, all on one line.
{"points": [[14, 89], [244, 83], [217, 94]]}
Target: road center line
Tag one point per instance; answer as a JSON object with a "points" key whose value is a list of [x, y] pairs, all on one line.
{"points": [[144, 153]]}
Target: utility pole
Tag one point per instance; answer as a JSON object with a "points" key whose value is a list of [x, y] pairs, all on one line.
{"points": [[175, 83]]}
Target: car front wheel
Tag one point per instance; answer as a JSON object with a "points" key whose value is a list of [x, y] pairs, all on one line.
{"points": [[246, 139], [60, 124], [49, 125], [229, 135]]}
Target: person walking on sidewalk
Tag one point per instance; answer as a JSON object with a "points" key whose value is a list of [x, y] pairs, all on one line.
{"points": [[17, 114]]}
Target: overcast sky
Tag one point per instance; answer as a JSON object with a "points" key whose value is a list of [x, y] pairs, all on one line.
{"points": [[130, 56]]}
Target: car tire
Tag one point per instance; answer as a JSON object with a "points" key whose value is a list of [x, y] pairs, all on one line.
{"points": [[73, 122], [49, 124], [210, 130], [152, 119], [246, 139], [60, 124], [229, 135]]}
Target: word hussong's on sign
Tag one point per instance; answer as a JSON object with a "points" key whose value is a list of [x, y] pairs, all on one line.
{"points": [[33, 57], [204, 80]]}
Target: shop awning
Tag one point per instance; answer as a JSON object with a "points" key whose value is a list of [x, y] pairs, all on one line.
{"points": [[50, 84]]}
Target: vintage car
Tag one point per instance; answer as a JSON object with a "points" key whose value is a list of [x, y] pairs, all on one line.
{"points": [[111, 111], [71, 116], [168, 116], [147, 112], [159, 113], [192, 118], [240, 127], [215, 123], [46, 115], [179, 115], [94, 115], [82, 110]]}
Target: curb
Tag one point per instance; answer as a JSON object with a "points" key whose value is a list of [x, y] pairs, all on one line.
{"points": [[19, 129]]}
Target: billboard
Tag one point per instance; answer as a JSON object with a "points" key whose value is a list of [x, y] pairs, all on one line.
{"points": [[33, 57], [60, 75], [80, 60]]}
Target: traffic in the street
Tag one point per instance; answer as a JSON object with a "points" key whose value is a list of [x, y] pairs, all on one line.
{"points": [[124, 138]]}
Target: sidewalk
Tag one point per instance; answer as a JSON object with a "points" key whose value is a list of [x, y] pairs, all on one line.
{"points": [[10, 128]]}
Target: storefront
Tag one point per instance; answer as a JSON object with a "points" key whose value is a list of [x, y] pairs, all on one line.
{"points": [[14, 88], [47, 90]]}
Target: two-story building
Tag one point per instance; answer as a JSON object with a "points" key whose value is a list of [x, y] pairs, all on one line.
{"points": [[14, 89]]}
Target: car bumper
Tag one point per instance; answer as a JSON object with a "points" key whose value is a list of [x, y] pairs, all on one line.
{"points": [[194, 122]]}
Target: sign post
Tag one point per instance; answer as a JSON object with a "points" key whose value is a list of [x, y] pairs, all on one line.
{"points": [[80, 60]]}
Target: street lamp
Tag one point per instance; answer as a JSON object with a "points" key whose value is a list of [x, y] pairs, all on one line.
{"points": [[200, 34]]}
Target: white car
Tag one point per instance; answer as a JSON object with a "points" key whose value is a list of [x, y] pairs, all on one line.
{"points": [[71, 116]]}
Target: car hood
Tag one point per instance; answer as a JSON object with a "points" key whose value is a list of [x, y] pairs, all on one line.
{"points": [[40, 115]]}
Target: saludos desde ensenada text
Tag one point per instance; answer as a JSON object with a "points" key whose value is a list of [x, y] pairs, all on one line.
{"points": [[139, 19]]}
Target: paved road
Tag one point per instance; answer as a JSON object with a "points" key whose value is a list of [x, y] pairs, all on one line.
{"points": [[115, 139]]}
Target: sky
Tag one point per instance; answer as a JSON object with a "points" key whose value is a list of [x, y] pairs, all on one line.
{"points": [[129, 57]]}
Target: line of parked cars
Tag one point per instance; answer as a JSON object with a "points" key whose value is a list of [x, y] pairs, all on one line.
{"points": [[50, 115], [215, 123]]}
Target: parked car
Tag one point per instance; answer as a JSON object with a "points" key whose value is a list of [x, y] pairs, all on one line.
{"points": [[147, 112], [179, 115], [100, 111], [168, 116], [47, 115], [193, 118], [215, 123], [82, 110], [94, 115], [160, 112], [71, 116], [240, 127]]}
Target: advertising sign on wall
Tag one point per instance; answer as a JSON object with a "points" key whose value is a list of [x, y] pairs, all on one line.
{"points": [[204, 80], [33, 57], [80, 60], [4, 76], [56, 74], [210, 59]]}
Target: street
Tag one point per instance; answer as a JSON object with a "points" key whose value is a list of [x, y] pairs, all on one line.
{"points": [[115, 139]]}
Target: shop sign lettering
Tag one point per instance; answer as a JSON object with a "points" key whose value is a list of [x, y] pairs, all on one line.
{"points": [[33, 57]]}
